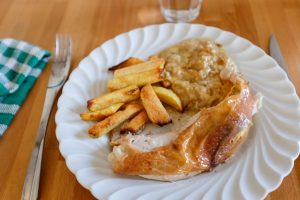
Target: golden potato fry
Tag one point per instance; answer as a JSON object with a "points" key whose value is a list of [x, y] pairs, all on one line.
{"points": [[101, 114], [154, 108], [136, 124], [138, 79], [169, 97], [124, 95], [142, 67], [130, 61], [114, 120]]}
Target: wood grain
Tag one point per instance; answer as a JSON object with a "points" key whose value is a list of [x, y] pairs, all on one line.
{"points": [[95, 21]]}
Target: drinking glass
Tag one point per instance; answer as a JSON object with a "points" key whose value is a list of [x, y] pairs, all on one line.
{"points": [[180, 10]]}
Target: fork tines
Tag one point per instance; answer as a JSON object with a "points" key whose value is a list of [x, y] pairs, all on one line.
{"points": [[63, 46]]}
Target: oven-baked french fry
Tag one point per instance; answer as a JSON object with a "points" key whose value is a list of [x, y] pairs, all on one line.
{"points": [[169, 97], [139, 79], [101, 114], [114, 120], [136, 124], [130, 61], [124, 95], [154, 108], [141, 67]]}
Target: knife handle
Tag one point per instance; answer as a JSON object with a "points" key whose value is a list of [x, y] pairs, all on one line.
{"points": [[32, 179]]}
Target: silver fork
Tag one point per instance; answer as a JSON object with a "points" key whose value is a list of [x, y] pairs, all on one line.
{"points": [[59, 72]]}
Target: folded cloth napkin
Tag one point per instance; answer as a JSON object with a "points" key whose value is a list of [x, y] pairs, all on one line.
{"points": [[20, 65]]}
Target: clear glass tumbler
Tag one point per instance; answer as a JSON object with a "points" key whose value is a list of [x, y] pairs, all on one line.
{"points": [[180, 10]]}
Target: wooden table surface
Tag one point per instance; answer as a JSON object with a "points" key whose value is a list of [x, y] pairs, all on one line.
{"points": [[95, 21]]}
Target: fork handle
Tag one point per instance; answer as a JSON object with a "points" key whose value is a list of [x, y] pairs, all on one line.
{"points": [[36, 176], [31, 185]]}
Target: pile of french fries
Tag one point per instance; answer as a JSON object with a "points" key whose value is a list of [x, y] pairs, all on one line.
{"points": [[132, 101]]}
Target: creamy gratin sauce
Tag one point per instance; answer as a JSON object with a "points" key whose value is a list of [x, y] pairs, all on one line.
{"points": [[199, 71]]}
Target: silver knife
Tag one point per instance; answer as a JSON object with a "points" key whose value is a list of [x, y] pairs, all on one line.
{"points": [[59, 72], [274, 51]]}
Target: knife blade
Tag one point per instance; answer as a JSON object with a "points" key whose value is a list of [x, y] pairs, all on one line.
{"points": [[275, 52]]}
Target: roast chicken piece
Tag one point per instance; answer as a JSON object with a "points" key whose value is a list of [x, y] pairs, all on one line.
{"points": [[207, 140]]}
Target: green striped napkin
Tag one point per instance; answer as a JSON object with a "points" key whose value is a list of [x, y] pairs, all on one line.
{"points": [[20, 65]]}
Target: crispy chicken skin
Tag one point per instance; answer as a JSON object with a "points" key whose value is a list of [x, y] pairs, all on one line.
{"points": [[211, 137]]}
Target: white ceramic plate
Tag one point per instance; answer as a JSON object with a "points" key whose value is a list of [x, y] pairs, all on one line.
{"points": [[256, 169]]}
